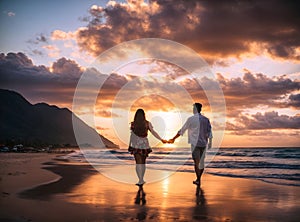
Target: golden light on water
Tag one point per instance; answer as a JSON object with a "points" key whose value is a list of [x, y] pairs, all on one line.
{"points": [[165, 187]]}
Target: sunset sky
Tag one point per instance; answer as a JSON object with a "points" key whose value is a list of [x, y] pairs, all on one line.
{"points": [[251, 47]]}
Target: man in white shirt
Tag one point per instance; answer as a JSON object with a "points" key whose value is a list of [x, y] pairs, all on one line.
{"points": [[199, 136]]}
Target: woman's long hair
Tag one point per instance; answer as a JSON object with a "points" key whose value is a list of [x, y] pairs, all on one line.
{"points": [[140, 125]]}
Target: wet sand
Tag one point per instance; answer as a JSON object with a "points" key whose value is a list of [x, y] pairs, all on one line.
{"points": [[37, 187]]}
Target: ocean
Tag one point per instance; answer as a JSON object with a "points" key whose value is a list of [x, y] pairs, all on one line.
{"points": [[273, 165]]}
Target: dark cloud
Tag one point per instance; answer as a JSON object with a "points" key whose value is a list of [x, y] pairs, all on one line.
{"points": [[66, 66], [37, 52], [266, 121], [15, 60], [253, 90], [40, 38], [250, 91], [266, 134], [294, 100], [38, 83], [212, 28], [114, 81], [37, 44]]}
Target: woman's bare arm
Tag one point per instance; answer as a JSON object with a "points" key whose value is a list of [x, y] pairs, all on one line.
{"points": [[155, 134]]}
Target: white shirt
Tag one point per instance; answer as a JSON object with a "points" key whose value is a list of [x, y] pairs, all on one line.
{"points": [[199, 130]]}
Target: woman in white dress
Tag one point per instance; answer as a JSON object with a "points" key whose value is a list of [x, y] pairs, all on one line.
{"points": [[139, 144]]}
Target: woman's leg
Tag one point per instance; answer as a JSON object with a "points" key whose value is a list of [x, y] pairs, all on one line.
{"points": [[143, 166], [140, 167]]}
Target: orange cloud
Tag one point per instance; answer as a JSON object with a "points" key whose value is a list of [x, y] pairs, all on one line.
{"points": [[215, 29], [17, 72], [61, 35], [106, 114], [53, 51], [153, 103]]}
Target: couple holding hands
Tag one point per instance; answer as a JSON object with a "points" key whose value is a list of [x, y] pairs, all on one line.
{"points": [[199, 136]]}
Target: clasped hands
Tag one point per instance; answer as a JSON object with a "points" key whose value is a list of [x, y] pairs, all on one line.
{"points": [[209, 146], [168, 141]]}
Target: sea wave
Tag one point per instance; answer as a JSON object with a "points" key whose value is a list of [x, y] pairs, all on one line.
{"points": [[273, 165]]}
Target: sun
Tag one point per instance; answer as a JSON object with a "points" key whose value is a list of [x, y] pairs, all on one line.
{"points": [[166, 124]]}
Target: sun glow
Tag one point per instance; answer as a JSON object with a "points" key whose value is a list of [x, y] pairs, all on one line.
{"points": [[166, 124]]}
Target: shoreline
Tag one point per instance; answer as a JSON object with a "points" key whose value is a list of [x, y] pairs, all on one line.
{"points": [[32, 184]]}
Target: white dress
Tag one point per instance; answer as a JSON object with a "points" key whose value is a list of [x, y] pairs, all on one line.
{"points": [[140, 144]]}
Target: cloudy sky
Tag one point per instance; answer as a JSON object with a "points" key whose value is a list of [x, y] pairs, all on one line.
{"points": [[252, 49]]}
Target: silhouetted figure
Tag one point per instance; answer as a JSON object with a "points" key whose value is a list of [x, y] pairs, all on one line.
{"points": [[140, 196], [200, 210], [139, 144], [200, 199], [199, 131], [140, 199]]}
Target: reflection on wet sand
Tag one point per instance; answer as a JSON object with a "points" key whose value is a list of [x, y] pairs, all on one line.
{"points": [[82, 194], [140, 196], [172, 199], [140, 199], [200, 210]]}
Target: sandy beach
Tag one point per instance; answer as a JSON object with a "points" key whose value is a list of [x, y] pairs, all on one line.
{"points": [[38, 187]]}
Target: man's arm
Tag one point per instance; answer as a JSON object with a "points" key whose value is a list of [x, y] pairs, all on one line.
{"points": [[181, 131], [209, 145], [174, 138]]}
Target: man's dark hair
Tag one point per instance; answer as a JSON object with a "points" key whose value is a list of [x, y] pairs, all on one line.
{"points": [[198, 107]]}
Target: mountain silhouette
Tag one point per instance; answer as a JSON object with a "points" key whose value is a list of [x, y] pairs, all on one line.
{"points": [[43, 124]]}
